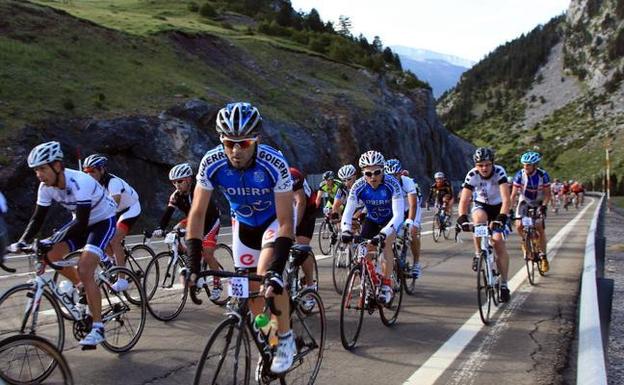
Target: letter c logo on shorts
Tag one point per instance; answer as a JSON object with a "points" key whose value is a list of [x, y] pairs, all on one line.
{"points": [[247, 259], [269, 234]]}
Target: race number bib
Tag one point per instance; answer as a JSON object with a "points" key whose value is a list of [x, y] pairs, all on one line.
{"points": [[527, 221], [238, 287], [481, 231]]}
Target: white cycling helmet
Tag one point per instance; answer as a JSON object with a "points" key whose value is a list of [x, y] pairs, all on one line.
{"points": [[393, 166], [45, 153], [238, 119], [371, 158], [95, 160], [180, 171], [438, 175], [347, 171]]}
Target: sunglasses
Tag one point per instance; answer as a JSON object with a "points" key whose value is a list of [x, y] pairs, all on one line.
{"points": [[242, 143], [179, 181], [88, 169], [370, 174]]}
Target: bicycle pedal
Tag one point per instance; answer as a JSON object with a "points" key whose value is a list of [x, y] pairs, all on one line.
{"points": [[89, 347]]}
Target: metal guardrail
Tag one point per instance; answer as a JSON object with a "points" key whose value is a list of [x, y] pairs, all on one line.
{"points": [[594, 305]]}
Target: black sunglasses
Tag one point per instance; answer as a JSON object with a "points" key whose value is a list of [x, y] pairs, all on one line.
{"points": [[371, 173]]}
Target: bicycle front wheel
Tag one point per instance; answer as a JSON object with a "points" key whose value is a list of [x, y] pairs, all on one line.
{"points": [[123, 319], [138, 258], [226, 359], [447, 227], [309, 328], [484, 291], [341, 265], [325, 238], [164, 288], [436, 232], [352, 307], [389, 313], [16, 315], [30, 359]]}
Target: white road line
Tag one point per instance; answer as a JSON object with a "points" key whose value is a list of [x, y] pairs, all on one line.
{"points": [[444, 357]]}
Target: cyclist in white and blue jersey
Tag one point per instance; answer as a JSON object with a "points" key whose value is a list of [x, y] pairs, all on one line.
{"points": [[411, 203], [533, 186], [383, 198], [91, 228], [256, 181]]}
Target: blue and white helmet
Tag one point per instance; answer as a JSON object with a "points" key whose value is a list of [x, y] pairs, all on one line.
{"points": [[180, 171], [371, 158], [347, 171], [393, 166], [95, 160], [238, 119], [45, 153], [530, 157]]}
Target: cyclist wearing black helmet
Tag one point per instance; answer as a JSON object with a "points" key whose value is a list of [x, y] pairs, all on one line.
{"points": [[487, 186], [328, 189]]}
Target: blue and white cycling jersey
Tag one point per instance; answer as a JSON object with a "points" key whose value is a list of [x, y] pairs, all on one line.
{"points": [[384, 204], [532, 187], [249, 191]]}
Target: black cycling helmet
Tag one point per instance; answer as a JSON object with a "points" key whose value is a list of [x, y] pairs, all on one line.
{"points": [[328, 175], [483, 154]]}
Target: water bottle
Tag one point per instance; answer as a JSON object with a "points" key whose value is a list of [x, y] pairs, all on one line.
{"points": [[66, 288], [268, 327]]}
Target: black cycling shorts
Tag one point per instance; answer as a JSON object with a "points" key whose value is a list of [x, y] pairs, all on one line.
{"points": [[306, 227], [492, 211], [370, 228]]}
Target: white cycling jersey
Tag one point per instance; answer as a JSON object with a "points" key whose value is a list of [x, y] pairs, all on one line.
{"points": [[486, 190], [408, 187], [118, 186], [80, 189]]}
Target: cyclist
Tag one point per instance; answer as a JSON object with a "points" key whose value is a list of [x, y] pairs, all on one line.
{"points": [[181, 176], [3, 229], [383, 198], [533, 186], [91, 228], [411, 204], [578, 190], [556, 189], [486, 185], [257, 183], [347, 175], [565, 193], [128, 208], [305, 209], [328, 188], [441, 193]]}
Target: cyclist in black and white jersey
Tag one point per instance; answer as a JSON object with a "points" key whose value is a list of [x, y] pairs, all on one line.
{"points": [[128, 208], [411, 204], [91, 228], [347, 174], [488, 187]]}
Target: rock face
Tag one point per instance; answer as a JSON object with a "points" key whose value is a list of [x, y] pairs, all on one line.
{"points": [[142, 149]]}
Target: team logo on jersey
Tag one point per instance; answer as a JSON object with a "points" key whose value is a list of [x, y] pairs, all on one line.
{"points": [[247, 259], [258, 176], [383, 194], [229, 172]]}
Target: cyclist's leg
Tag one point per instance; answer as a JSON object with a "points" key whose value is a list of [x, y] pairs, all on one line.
{"points": [[448, 201], [415, 233], [125, 222], [209, 244], [520, 211], [304, 233], [388, 256], [246, 245], [57, 253], [479, 216]]}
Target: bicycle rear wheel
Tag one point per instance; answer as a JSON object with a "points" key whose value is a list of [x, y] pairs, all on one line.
{"points": [[123, 314], [447, 227], [389, 313], [226, 359], [16, 317], [309, 328], [352, 307], [325, 238], [484, 291], [166, 293], [436, 232], [138, 258], [36, 353], [341, 266]]}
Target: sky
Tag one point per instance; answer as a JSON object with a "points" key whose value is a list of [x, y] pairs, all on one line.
{"points": [[469, 29]]}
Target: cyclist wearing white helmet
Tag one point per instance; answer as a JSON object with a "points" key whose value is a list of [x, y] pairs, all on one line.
{"points": [[486, 185], [128, 208], [441, 193], [412, 203], [91, 228], [533, 186], [181, 176], [382, 195], [256, 181]]}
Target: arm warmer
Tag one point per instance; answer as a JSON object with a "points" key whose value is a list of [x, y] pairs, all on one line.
{"points": [[35, 223]]}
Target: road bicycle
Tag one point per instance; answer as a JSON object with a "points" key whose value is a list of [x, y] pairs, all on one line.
{"points": [[328, 236], [227, 357], [441, 224], [362, 290], [531, 248], [403, 251]]}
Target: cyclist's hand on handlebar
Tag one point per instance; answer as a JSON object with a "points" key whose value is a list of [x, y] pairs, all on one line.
{"points": [[158, 233], [378, 240], [346, 236], [273, 284], [463, 222]]}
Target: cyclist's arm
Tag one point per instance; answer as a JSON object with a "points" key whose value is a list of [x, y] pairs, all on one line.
{"points": [[349, 210], [300, 204], [505, 196], [164, 221], [547, 196], [514, 194], [336, 206], [197, 214], [398, 210], [285, 233], [319, 195], [465, 198], [412, 200], [115, 188], [35, 223]]}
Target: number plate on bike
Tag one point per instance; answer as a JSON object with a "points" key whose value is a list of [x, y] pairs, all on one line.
{"points": [[481, 231], [170, 238], [238, 287], [527, 221]]}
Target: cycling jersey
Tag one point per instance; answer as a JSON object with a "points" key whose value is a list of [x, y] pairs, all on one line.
{"points": [[532, 186], [80, 190], [407, 188], [384, 204], [117, 186], [556, 187], [486, 190], [436, 194], [331, 193], [565, 188], [182, 201], [577, 188], [299, 182], [250, 191]]}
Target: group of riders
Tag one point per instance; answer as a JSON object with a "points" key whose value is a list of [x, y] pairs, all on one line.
{"points": [[272, 206]]}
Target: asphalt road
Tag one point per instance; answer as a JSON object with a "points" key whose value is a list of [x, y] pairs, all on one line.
{"points": [[439, 337]]}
